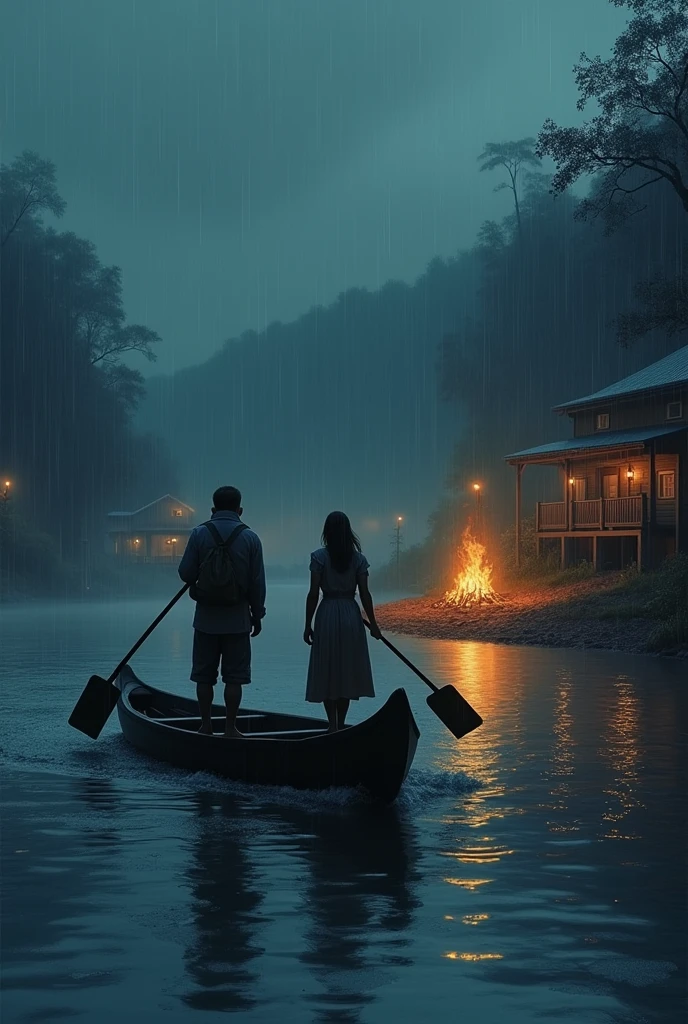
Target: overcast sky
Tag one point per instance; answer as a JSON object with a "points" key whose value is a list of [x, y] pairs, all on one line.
{"points": [[243, 160]]}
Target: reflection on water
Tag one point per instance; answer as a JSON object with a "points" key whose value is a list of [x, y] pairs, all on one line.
{"points": [[359, 892], [621, 750], [500, 889], [225, 908], [356, 894]]}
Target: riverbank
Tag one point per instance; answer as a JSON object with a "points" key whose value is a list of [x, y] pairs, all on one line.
{"points": [[607, 611]]}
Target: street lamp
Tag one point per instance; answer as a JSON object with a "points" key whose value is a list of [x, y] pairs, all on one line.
{"points": [[5, 494], [478, 509], [397, 543]]}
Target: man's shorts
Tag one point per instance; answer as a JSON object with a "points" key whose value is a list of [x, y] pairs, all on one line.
{"points": [[232, 649]]}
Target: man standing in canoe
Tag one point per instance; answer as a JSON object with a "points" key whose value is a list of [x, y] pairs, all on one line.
{"points": [[223, 563]]}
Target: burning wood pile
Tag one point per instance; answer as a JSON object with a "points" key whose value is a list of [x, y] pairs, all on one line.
{"points": [[473, 584]]}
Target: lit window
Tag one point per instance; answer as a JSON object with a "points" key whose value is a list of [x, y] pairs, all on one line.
{"points": [[602, 421], [666, 483], [674, 410], [178, 512]]}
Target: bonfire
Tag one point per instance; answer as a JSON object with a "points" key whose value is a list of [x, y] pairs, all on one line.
{"points": [[473, 584]]}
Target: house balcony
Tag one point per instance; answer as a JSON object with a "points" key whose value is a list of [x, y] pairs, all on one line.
{"points": [[592, 514]]}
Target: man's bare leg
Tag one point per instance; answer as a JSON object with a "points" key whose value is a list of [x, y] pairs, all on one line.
{"points": [[232, 702], [204, 694]]}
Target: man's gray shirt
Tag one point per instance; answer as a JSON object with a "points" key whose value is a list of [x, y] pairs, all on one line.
{"points": [[246, 553]]}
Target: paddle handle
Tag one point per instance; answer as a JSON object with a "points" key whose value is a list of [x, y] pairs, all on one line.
{"points": [[148, 632], [405, 661]]}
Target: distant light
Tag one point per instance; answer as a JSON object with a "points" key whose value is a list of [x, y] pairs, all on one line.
{"points": [[476, 487], [571, 481], [8, 483], [400, 519], [137, 541]]}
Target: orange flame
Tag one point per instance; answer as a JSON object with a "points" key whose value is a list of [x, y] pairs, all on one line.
{"points": [[473, 584]]}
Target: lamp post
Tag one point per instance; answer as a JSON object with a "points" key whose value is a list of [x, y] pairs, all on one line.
{"points": [[397, 543], [477, 490], [5, 493]]}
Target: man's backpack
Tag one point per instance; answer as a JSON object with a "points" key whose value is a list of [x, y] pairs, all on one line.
{"points": [[217, 583]]}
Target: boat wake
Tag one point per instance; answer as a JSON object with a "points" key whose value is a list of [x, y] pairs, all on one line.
{"points": [[115, 760]]}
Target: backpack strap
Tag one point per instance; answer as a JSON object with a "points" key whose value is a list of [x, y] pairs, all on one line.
{"points": [[217, 536]]}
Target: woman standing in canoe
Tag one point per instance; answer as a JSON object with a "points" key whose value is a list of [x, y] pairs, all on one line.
{"points": [[339, 667]]}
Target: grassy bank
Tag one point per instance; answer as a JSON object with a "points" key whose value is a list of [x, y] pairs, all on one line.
{"points": [[626, 611]]}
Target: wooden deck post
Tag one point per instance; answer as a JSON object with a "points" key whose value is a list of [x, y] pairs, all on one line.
{"points": [[652, 509], [519, 473], [569, 501]]}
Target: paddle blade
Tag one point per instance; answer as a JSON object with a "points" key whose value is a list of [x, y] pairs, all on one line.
{"points": [[94, 706], [452, 709]]}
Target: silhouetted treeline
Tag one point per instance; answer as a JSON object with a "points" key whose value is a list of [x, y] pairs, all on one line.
{"points": [[66, 440], [342, 406], [338, 409]]}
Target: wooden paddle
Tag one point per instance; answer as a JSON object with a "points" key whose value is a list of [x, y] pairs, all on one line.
{"points": [[97, 702], [447, 703]]}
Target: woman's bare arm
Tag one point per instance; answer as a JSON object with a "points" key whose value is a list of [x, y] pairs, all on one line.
{"points": [[368, 606], [311, 605]]}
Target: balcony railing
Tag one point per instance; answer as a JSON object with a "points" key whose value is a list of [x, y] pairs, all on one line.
{"points": [[550, 515], [591, 514], [586, 515]]}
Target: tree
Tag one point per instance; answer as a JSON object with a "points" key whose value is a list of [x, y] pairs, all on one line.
{"points": [[27, 188], [512, 156], [94, 296], [66, 396], [663, 305], [125, 381], [640, 136]]}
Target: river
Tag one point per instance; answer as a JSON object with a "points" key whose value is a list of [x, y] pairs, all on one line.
{"points": [[533, 871]]}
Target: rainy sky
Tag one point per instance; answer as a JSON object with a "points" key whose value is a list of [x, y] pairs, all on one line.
{"points": [[244, 160]]}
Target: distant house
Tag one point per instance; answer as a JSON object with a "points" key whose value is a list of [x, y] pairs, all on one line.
{"points": [[155, 533], [624, 473]]}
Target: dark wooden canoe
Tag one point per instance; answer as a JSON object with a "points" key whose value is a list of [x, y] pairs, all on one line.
{"points": [[279, 750]]}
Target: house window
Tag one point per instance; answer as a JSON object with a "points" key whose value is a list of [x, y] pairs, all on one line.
{"points": [[666, 485], [178, 512], [674, 410], [602, 421]]}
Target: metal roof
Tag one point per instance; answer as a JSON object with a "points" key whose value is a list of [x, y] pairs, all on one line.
{"points": [[671, 370], [150, 505], [606, 439]]}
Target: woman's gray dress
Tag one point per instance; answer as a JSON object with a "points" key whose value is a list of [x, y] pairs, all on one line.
{"points": [[339, 665]]}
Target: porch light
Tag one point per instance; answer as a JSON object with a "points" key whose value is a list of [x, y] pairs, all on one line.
{"points": [[630, 473], [571, 481], [136, 540]]}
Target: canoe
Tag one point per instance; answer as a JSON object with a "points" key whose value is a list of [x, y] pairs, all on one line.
{"points": [[279, 750]]}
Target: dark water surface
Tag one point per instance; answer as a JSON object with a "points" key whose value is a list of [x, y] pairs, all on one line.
{"points": [[534, 871]]}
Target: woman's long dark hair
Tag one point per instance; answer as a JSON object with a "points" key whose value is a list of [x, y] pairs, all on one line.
{"points": [[340, 540]]}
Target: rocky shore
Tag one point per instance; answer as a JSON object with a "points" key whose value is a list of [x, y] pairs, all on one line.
{"points": [[560, 617]]}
